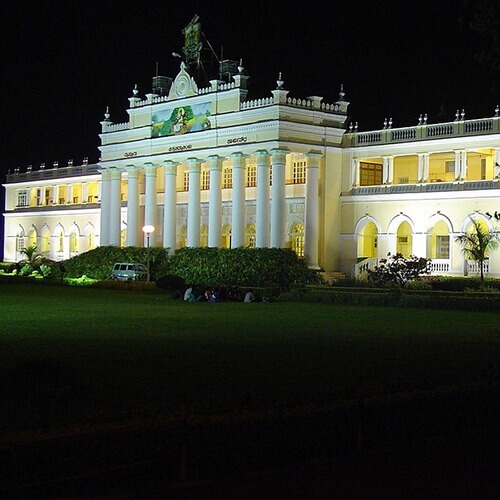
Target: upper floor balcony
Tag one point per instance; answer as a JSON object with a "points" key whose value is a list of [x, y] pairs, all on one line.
{"points": [[424, 131]]}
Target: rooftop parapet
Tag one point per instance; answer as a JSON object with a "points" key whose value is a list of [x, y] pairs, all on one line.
{"points": [[424, 131]]}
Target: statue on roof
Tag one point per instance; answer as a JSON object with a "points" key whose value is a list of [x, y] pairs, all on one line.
{"points": [[192, 41]]}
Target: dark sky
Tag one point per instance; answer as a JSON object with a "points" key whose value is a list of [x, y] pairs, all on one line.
{"points": [[61, 65]]}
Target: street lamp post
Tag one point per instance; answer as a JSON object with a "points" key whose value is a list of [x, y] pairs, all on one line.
{"points": [[147, 230]]}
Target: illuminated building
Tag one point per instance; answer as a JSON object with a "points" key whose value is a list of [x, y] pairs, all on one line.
{"points": [[208, 167]]}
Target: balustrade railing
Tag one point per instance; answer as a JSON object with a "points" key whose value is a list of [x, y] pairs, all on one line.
{"points": [[362, 268], [425, 131]]}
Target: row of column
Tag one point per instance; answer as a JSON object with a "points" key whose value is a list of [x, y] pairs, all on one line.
{"points": [[422, 167], [270, 220]]}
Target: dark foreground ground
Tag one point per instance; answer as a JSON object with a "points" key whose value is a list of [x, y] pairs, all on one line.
{"points": [[442, 444]]}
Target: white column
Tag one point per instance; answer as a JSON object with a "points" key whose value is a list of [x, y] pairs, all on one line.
{"points": [[84, 192], [215, 201], [355, 172], [115, 207], [425, 174], [458, 164], [463, 164], [390, 170], [133, 233], [238, 208], [69, 193], [311, 230], [42, 195], [262, 207], [385, 170], [496, 164], [170, 206], [105, 204], [150, 200], [420, 167], [278, 161], [193, 222]]}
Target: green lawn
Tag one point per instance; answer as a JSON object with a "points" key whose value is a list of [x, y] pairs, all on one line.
{"points": [[72, 355]]}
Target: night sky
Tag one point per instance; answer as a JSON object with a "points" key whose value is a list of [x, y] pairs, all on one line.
{"points": [[63, 65]]}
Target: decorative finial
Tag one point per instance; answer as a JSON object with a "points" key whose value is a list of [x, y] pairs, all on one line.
{"points": [[425, 119], [351, 126], [457, 115], [29, 168], [42, 166], [280, 82], [420, 119], [497, 111], [136, 90], [56, 164], [341, 93], [240, 67], [70, 163], [106, 114], [86, 160], [356, 127], [462, 114], [390, 123], [385, 123]]}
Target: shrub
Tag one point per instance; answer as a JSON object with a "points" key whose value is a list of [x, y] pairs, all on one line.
{"points": [[97, 263], [26, 270], [242, 267], [399, 270], [45, 270]]}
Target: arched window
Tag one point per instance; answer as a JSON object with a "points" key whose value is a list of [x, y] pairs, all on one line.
{"points": [[226, 236], [438, 241], [19, 242], [90, 241], [73, 242], [45, 242], [404, 239], [32, 237], [297, 238], [250, 235]]}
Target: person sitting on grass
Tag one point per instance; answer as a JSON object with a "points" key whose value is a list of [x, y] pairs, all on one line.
{"points": [[249, 296]]}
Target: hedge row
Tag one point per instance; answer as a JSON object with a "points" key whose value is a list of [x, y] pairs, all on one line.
{"points": [[244, 267]]}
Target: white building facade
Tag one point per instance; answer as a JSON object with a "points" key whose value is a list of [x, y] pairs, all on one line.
{"points": [[207, 167]]}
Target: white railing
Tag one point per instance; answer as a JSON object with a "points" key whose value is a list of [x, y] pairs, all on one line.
{"points": [[440, 266], [257, 103], [474, 267], [115, 127], [424, 131], [362, 267]]}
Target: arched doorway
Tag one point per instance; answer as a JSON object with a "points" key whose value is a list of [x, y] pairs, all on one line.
{"points": [[367, 242]]}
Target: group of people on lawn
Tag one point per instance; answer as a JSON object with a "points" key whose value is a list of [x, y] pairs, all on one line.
{"points": [[218, 294]]}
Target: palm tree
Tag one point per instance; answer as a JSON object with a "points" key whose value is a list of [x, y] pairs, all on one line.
{"points": [[478, 242], [32, 256]]}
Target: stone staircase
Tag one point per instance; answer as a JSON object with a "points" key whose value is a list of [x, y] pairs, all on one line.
{"points": [[332, 276]]}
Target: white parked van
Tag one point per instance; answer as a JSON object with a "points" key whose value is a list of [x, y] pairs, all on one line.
{"points": [[128, 271]]}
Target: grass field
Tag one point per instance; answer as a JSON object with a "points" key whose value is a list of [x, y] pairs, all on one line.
{"points": [[73, 355]]}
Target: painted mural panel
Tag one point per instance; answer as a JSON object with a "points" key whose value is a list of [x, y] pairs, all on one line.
{"points": [[181, 120]]}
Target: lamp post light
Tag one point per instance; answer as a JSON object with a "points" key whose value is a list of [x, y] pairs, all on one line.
{"points": [[147, 230]]}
